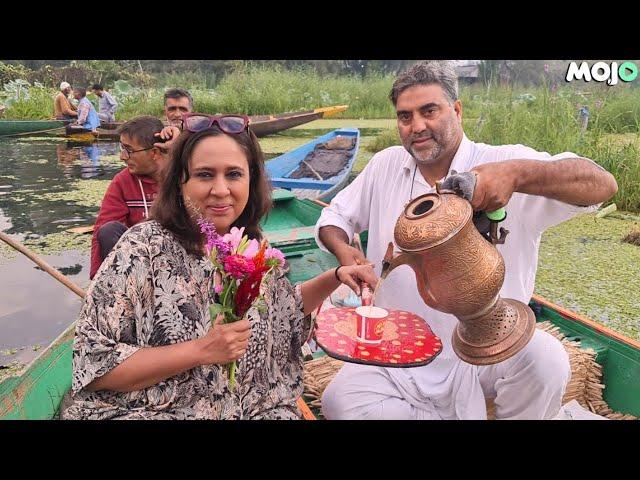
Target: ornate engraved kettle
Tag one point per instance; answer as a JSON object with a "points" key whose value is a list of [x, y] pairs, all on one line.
{"points": [[461, 273]]}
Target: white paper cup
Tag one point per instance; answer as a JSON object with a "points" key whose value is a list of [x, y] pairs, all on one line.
{"points": [[370, 323]]}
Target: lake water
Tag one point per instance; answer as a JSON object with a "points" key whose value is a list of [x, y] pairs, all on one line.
{"points": [[34, 307], [48, 185]]}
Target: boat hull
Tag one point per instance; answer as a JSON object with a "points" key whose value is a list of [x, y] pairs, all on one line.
{"points": [[261, 125], [21, 127], [280, 168]]}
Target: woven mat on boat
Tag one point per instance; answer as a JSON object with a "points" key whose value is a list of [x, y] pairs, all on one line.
{"points": [[340, 142], [327, 159], [585, 385]]}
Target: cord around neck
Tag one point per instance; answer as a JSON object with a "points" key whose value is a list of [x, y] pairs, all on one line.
{"points": [[413, 182]]}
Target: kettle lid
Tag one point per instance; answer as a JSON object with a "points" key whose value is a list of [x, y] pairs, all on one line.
{"points": [[430, 220]]}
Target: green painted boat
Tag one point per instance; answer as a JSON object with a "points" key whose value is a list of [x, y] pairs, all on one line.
{"points": [[36, 391], [22, 127]]}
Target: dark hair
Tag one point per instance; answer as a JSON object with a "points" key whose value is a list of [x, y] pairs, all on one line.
{"points": [[169, 209], [81, 90], [142, 129], [178, 93], [436, 72], [97, 86]]}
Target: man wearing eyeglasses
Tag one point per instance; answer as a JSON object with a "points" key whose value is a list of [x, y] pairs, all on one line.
{"points": [[130, 195]]}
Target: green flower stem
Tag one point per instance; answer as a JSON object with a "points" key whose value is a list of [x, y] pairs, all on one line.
{"points": [[232, 375], [226, 299]]}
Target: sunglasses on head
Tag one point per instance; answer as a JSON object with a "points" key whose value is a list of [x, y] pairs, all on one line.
{"points": [[196, 122]]}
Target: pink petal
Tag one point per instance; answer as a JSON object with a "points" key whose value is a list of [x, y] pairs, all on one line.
{"points": [[251, 249], [234, 237]]}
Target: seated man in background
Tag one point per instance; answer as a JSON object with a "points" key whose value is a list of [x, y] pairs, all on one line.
{"points": [[131, 193], [88, 120], [63, 109]]}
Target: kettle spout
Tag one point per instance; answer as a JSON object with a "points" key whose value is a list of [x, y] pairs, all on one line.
{"points": [[389, 262]]}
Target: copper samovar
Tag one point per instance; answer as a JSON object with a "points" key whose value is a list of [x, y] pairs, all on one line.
{"points": [[461, 273]]}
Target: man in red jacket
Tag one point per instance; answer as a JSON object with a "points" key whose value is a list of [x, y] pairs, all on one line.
{"points": [[131, 193]]}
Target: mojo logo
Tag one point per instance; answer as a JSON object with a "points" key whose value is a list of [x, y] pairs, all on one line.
{"points": [[601, 71]]}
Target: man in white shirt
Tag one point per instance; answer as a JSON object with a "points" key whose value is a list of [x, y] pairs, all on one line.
{"points": [[537, 190]]}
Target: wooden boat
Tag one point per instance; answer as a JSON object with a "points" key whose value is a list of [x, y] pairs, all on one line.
{"points": [[36, 391], [282, 168], [90, 137], [261, 125], [23, 127]]}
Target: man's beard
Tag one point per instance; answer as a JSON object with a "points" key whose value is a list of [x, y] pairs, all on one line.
{"points": [[428, 157], [440, 143]]}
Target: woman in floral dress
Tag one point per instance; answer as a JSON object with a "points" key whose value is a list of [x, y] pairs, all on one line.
{"points": [[144, 345]]}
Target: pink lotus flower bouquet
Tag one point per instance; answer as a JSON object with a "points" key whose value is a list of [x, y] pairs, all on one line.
{"points": [[243, 264]]}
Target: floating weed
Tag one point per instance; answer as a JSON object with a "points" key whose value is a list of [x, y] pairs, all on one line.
{"points": [[362, 159], [110, 160], [333, 123], [388, 138], [583, 265], [633, 237], [7, 253], [10, 369], [279, 144], [88, 193], [56, 243]]}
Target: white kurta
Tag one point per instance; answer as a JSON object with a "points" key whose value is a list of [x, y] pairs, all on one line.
{"points": [[447, 387]]}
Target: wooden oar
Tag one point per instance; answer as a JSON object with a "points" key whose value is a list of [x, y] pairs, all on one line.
{"points": [[81, 230], [42, 264], [313, 170], [320, 202]]}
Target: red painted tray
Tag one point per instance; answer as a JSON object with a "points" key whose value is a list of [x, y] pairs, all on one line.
{"points": [[407, 340]]}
